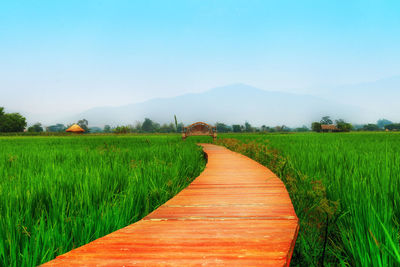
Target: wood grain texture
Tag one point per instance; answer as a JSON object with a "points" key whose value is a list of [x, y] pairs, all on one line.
{"points": [[236, 213]]}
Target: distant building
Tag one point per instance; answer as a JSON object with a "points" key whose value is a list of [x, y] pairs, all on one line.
{"points": [[329, 128], [75, 129]]}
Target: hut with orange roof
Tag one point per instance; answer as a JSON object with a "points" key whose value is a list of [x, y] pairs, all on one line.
{"points": [[75, 129], [329, 128]]}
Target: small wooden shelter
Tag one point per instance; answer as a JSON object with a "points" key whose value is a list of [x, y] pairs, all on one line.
{"points": [[75, 129], [199, 128], [329, 128]]}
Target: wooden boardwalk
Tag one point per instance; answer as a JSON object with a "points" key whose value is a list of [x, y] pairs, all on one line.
{"points": [[236, 213]]}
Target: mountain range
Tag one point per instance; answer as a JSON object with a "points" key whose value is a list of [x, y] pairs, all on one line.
{"points": [[237, 103], [230, 104]]}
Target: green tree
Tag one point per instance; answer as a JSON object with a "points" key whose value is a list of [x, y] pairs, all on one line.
{"points": [[302, 129], [176, 123], [56, 128], [172, 128], [236, 128], [179, 127], [12, 122], [393, 126], [383, 122], [222, 127], [167, 128], [148, 125], [122, 129], [264, 128], [282, 128], [316, 126], [370, 127], [248, 128], [84, 125], [326, 120], [156, 127], [163, 128], [37, 128], [107, 129], [95, 130], [137, 128], [2, 113], [343, 126]]}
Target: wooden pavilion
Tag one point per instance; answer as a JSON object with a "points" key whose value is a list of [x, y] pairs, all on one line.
{"points": [[199, 128]]}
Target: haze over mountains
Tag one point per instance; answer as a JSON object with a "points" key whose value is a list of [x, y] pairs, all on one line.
{"points": [[360, 103], [379, 97], [230, 104]]}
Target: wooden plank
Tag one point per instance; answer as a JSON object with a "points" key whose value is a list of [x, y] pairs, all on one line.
{"points": [[236, 213]]}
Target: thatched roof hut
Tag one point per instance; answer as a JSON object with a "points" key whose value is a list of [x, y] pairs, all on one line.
{"points": [[329, 128], [75, 129]]}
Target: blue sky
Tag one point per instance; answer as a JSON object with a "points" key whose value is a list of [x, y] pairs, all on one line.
{"points": [[67, 56]]}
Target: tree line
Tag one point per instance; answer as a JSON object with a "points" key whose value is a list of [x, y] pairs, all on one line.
{"points": [[340, 125], [11, 122], [343, 126], [15, 122]]}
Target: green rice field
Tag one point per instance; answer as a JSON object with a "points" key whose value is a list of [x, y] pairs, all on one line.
{"points": [[58, 193], [345, 190]]}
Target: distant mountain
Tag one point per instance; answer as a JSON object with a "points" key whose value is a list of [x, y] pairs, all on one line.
{"points": [[230, 104]]}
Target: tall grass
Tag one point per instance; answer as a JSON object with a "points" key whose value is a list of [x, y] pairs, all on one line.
{"points": [[58, 193], [344, 188]]}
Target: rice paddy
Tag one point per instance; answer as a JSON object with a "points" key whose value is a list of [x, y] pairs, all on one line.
{"points": [[344, 188], [58, 193]]}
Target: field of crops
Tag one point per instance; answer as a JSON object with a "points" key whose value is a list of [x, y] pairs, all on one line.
{"points": [[58, 193], [345, 189]]}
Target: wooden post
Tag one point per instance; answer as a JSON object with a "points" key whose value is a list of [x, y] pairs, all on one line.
{"points": [[183, 133]]}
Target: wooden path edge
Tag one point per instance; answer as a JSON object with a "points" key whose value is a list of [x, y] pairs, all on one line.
{"points": [[235, 213]]}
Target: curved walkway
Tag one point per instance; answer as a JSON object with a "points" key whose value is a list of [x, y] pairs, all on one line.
{"points": [[236, 213]]}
